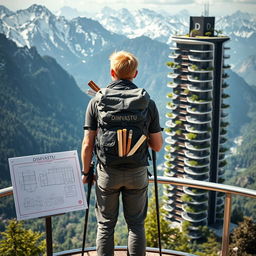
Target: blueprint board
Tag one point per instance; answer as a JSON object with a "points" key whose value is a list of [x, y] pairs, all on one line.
{"points": [[47, 184]]}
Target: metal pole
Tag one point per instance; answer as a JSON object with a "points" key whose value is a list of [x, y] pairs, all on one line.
{"points": [[157, 202], [48, 226], [226, 225], [90, 182]]}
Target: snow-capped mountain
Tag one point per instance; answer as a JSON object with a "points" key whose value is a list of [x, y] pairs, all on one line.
{"points": [[69, 42], [143, 22], [240, 27]]}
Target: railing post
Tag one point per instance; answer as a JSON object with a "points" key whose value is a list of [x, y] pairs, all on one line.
{"points": [[48, 226], [226, 225]]}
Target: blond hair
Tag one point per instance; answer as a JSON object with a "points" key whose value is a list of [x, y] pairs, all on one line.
{"points": [[124, 64]]}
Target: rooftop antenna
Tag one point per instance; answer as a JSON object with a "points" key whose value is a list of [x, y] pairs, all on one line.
{"points": [[206, 8]]}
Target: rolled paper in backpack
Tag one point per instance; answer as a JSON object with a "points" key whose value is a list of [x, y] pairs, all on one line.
{"points": [[120, 143], [129, 141], [137, 145], [124, 141], [94, 86]]}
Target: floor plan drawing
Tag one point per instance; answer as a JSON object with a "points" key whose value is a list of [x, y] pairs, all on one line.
{"points": [[47, 184], [29, 180]]}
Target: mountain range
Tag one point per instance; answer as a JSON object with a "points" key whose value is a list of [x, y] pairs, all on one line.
{"points": [[73, 42]]}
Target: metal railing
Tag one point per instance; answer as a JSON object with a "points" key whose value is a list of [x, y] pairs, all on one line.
{"points": [[227, 189]]}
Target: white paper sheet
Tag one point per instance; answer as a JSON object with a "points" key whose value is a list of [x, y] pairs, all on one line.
{"points": [[47, 184]]}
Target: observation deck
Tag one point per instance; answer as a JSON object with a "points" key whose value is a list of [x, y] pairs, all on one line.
{"points": [[228, 190]]}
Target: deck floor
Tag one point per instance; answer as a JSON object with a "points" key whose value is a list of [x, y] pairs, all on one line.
{"points": [[122, 253]]}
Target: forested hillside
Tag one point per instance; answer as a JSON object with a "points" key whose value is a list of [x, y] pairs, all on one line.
{"points": [[42, 108]]}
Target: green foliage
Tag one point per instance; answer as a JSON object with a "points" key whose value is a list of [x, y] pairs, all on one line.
{"points": [[191, 136], [178, 122], [172, 238], [17, 241], [243, 239], [194, 97]]}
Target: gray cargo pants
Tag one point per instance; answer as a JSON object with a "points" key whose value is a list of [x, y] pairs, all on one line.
{"points": [[132, 185]]}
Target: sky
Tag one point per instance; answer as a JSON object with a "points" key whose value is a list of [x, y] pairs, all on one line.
{"points": [[195, 7]]}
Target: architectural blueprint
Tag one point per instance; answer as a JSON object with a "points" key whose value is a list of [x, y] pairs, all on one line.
{"points": [[47, 184]]}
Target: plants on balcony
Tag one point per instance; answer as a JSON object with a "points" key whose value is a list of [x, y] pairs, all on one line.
{"points": [[194, 67], [197, 191], [170, 83], [178, 132], [224, 124], [192, 162], [223, 105], [176, 92], [226, 66], [186, 91], [191, 136], [186, 198], [225, 96], [168, 164], [168, 156], [169, 114], [173, 65], [178, 122], [170, 104], [194, 97], [170, 95], [222, 163], [168, 130], [168, 148], [223, 149]]}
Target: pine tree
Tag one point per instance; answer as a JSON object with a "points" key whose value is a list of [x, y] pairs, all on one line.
{"points": [[18, 241], [243, 239]]}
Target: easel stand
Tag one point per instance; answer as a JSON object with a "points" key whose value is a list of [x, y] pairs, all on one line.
{"points": [[48, 227]]}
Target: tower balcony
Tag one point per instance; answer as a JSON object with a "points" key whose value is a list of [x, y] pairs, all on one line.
{"points": [[172, 96], [191, 128], [171, 105], [199, 112], [193, 88], [193, 120], [196, 177], [195, 69], [170, 140], [205, 146], [172, 85], [194, 192], [197, 164], [194, 210], [201, 177], [196, 79], [226, 56], [198, 101], [195, 59], [198, 137], [196, 171], [195, 156], [174, 55], [172, 75], [201, 51], [193, 219], [226, 66]]}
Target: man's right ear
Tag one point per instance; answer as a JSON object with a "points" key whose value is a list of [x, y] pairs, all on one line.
{"points": [[113, 73]]}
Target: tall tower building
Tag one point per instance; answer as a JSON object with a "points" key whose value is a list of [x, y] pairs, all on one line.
{"points": [[196, 126]]}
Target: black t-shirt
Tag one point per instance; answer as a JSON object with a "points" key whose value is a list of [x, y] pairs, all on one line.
{"points": [[91, 112]]}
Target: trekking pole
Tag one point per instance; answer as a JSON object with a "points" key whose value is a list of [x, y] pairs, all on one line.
{"points": [[90, 182], [157, 202]]}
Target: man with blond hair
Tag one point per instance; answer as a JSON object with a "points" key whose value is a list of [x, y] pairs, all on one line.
{"points": [[122, 106]]}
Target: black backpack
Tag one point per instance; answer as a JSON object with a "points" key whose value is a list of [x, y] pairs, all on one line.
{"points": [[118, 110]]}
